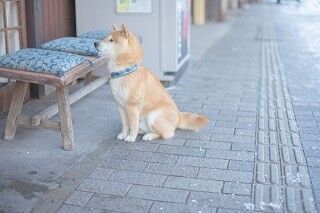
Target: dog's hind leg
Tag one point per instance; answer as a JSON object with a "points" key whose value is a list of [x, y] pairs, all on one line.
{"points": [[163, 127], [150, 136]]}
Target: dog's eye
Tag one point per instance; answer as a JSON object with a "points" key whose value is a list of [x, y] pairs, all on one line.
{"points": [[111, 40]]}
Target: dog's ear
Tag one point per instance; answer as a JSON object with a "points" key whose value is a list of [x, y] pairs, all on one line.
{"points": [[124, 31], [114, 27]]}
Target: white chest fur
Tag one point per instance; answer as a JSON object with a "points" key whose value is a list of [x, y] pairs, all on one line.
{"points": [[120, 94]]}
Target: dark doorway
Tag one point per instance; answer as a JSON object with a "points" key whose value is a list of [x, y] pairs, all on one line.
{"points": [[48, 20]]}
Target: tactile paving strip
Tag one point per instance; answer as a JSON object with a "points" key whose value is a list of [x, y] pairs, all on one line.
{"points": [[282, 182]]}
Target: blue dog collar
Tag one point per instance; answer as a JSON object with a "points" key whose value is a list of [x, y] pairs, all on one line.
{"points": [[124, 72]]}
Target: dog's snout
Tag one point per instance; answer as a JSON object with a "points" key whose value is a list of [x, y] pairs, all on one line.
{"points": [[96, 44]]}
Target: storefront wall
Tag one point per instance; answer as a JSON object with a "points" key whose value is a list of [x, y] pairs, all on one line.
{"points": [[164, 27]]}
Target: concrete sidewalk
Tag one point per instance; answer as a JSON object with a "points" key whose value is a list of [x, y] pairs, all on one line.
{"points": [[260, 151]]}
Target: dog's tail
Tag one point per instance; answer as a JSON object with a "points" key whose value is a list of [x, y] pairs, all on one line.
{"points": [[192, 121]]}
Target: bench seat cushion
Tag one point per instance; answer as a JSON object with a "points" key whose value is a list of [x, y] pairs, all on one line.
{"points": [[81, 46], [41, 61], [99, 35]]}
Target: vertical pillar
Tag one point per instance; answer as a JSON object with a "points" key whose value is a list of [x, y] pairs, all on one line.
{"points": [[222, 9], [199, 12]]}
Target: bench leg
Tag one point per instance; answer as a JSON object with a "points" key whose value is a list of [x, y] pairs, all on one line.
{"points": [[15, 109], [65, 117]]}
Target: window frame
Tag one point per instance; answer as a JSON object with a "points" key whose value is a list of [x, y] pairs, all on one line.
{"points": [[21, 24]]}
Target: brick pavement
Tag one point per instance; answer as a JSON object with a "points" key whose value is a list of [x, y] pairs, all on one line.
{"points": [[250, 157]]}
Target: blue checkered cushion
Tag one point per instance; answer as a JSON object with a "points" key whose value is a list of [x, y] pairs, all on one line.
{"points": [[41, 61], [81, 46], [99, 35]]}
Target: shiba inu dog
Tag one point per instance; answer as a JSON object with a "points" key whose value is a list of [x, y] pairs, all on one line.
{"points": [[144, 105]]}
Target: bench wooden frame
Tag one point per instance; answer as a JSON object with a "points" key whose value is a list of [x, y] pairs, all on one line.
{"points": [[64, 126]]}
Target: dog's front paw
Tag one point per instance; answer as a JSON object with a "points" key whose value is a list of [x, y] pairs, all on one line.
{"points": [[122, 135], [130, 138]]}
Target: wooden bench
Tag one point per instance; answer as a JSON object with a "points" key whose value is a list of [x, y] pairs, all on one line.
{"points": [[64, 99], [81, 46], [23, 78]]}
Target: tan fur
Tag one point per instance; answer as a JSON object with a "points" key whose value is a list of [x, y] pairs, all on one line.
{"points": [[143, 103], [192, 121]]}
